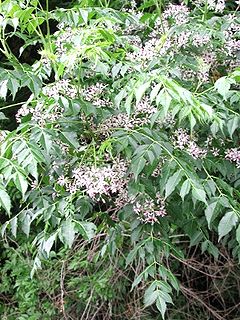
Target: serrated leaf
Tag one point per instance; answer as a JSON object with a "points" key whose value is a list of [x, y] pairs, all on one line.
{"points": [[137, 280], [87, 229], [185, 188], [150, 296], [5, 200], [2, 116], [20, 182], [238, 234], [13, 224], [68, 232], [47, 244], [223, 86], [155, 91], [209, 213], [84, 15], [140, 91], [162, 306], [172, 183], [138, 166], [232, 125], [199, 194], [227, 223], [70, 138], [3, 89], [26, 222]]}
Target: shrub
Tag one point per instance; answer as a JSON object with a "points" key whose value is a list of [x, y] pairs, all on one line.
{"points": [[128, 138]]}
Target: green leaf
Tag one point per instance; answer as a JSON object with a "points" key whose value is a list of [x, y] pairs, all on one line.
{"points": [[150, 296], [26, 222], [209, 213], [3, 89], [199, 194], [68, 232], [223, 86], [138, 166], [185, 188], [13, 224], [137, 280], [20, 182], [47, 244], [70, 138], [2, 116], [227, 223], [155, 91], [173, 182], [84, 15], [87, 229], [5, 200], [140, 91], [238, 234], [162, 306], [232, 125]]}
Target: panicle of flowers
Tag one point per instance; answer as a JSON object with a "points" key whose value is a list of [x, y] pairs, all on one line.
{"points": [[94, 94], [114, 122], [168, 121], [62, 180], [215, 151], [209, 58], [195, 151], [130, 27], [161, 27], [181, 138], [61, 87], [99, 181], [149, 211], [144, 53], [233, 155], [180, 13], [41, 113], [63, 37], [123, 198], [140, 116], [145, 106], [22, 112], [232, 46], [183, 141], [220, 6], [182, 39], [199, 40], [213, 5]]}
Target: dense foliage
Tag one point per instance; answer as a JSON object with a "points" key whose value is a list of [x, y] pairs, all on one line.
{"points": [[119, 159]]}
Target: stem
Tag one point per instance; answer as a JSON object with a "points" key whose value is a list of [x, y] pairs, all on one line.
{"points": [[159, 9]]}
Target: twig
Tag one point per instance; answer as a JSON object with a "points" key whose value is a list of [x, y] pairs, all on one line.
{"points": [[193, 295], [62, 290]]}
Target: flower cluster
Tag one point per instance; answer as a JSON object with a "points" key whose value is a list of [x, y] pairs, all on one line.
{"points": [[63, 38], [97, 181], [44, 112], [140, 116], [95, 94], [61, 87], [200, 40], [233, 155], [183, 141], [41, 113], [149, 211], [179, 13], [214, 5]]}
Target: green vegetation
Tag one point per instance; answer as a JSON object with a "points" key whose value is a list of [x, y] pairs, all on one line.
{"points": [[119, 159]]}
